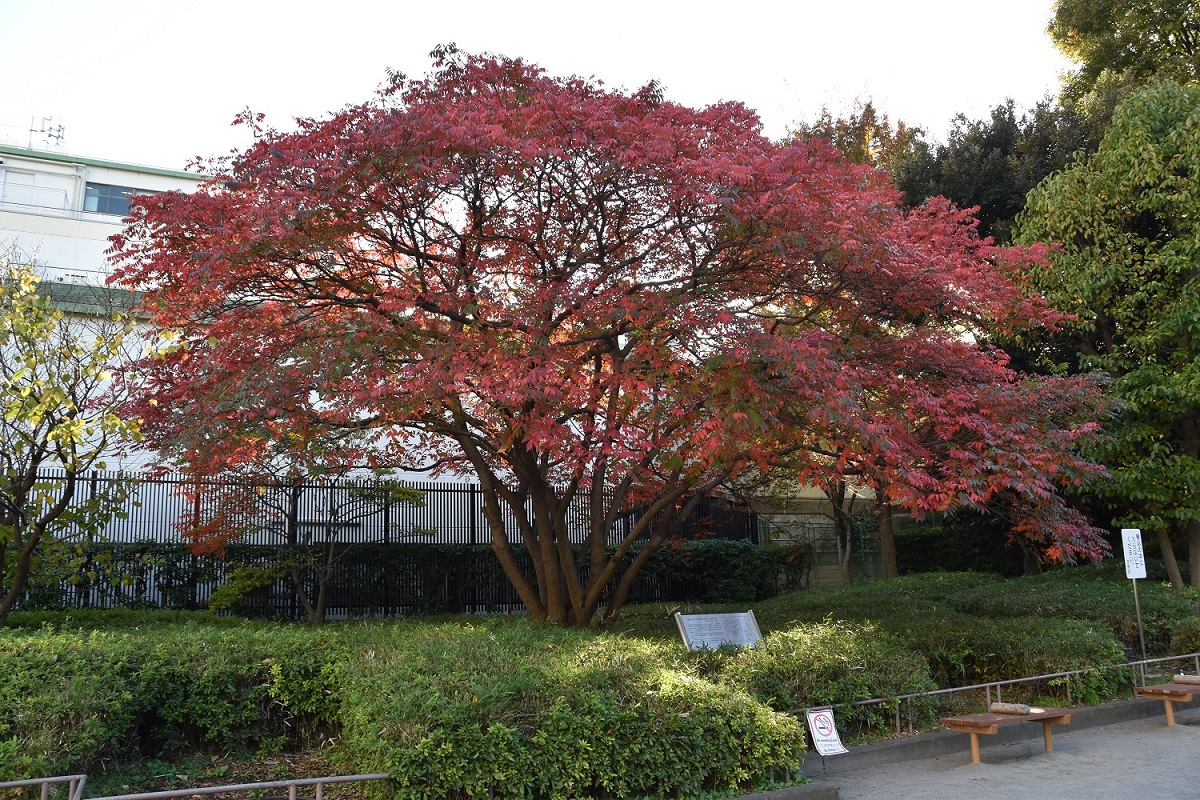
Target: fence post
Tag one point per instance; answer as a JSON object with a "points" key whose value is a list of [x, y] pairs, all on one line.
{"points": [[195, 585], [471, 512]]}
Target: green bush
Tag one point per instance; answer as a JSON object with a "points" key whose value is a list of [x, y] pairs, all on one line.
{"points": [[447, 709], [1185, 636], [65, 697], [526, 710], [958, 544], [74, 697], [522, 711], [112, 619], [964, 651], [1087, 593], [386, 579], [237, 687], [832, 664], [977, 628], [912, 595], [724, 571]]}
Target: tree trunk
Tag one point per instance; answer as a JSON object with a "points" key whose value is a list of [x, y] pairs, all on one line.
{"points": [[843, 531], [1189, 435], [297, 580], [21, 567], [1168, 554], [508, 562], [846, 551], [1193, 531], [887, 541]]}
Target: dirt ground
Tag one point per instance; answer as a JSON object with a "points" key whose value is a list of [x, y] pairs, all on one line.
{"points": [[1136, 759]]}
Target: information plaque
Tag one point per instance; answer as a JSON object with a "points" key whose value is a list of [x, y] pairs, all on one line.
{"points": [[1135, 558], [710, 631]]}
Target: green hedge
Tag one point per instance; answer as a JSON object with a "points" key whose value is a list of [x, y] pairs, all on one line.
{"points": [[832, 664], [456, 708], [964, 650], [957, 545], [522, 711], [410, 578], [1085, 593], [506, 707], [72, 697], [723, 571], [974, 627]]}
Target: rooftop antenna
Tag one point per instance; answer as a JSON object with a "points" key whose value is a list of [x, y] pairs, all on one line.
{"points": [[48, 130]]}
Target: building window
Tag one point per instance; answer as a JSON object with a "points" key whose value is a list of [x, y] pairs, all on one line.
{"points": [[105, 199]]}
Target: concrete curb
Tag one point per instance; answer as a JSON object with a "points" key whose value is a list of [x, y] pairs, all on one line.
{"points": [[809, 791]]}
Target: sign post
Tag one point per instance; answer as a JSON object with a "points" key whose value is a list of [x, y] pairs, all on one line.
{"points": [[1135, 567]]}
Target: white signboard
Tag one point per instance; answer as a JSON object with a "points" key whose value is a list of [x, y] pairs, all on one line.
{"points": [[1135, 559], [824, 732], [710, 631]]}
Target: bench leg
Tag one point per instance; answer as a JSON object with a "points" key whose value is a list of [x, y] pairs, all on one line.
{"points": [[974, 748], [1170, 713], [1047, 736]]}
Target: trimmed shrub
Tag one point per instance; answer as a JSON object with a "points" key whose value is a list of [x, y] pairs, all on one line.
{"points": [[391, 579], [65, 700], [1185, 636], [913, 595], [963, 651], [723, 571], [831, 664], [449, 710], [74, 697], [113, 619], [521, 711], [1087, 593], [977, 544]]}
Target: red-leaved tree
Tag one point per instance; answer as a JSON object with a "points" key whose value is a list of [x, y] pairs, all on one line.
{"points": [[576, 294]]}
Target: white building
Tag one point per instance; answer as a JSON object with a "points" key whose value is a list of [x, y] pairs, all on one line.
{"points": [[61, 208]]}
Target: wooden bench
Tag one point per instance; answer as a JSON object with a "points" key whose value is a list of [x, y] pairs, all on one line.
{"points": [[1169, 693], [976, 724]]}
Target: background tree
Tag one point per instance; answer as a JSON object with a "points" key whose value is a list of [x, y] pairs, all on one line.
{"points": [[992, 164], [1130, 40], [59, 420], [573, 293], [1126, 218], [865, 136]]}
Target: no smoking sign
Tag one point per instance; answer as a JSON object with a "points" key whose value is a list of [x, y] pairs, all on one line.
{"points": [[824, 731]]}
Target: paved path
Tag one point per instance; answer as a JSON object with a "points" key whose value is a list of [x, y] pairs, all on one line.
{"points": [[1140, 758]]}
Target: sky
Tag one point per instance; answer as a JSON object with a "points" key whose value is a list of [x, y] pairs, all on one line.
{"points": [[158, 82]]}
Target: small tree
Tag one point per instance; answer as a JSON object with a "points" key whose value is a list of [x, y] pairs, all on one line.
{"points": [[312, 547], [260, 484], [60, 419]]}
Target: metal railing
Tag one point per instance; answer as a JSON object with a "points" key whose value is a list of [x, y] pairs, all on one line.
{"points": [[900, 699], [291, 786], [77, 782]]}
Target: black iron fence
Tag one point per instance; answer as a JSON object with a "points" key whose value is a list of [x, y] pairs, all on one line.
{"points": [[392, 557], [161, 507]]}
